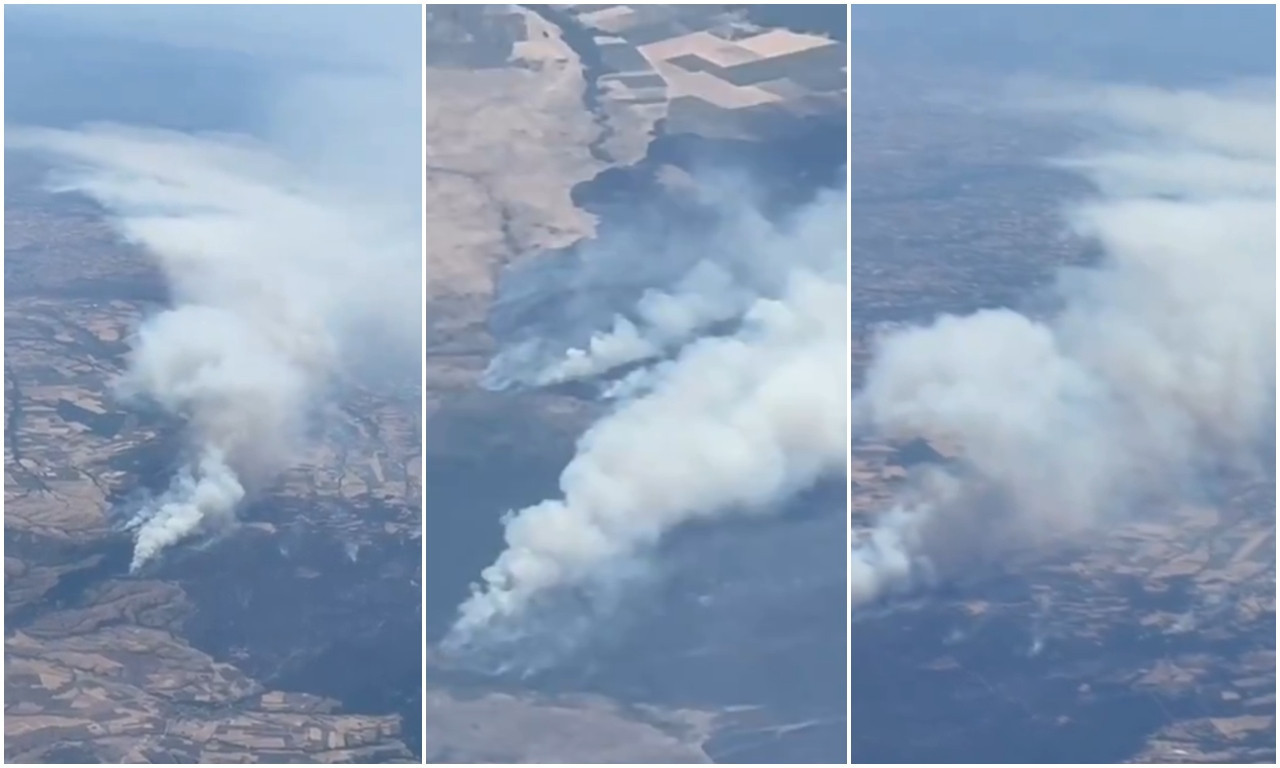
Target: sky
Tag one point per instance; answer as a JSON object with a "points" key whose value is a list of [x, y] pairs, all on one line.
{"points": [[1155, 44]]}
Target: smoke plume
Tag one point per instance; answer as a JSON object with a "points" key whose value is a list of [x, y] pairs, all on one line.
{"points": [[730, 424], [679, 281], [1158, 363], [704, 297], [292, 256]]}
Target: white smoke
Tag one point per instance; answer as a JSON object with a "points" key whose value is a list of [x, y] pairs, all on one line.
{"points": [[733, 424], [705, 296], [203, 496], [714, 277], [1160, 360], [292, 258]]}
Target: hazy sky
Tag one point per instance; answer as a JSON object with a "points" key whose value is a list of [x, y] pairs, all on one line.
{"points": [[204, 67], [1160, 44]]}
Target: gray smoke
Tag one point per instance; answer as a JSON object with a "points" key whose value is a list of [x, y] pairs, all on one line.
{"points": [[705, 296], [290, 255], [1159, 361], [732, 424], [687, 282]]}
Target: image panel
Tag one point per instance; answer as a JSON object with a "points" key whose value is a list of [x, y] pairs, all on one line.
{"points": [[1063, 283], [212, 360], [636, 384]]}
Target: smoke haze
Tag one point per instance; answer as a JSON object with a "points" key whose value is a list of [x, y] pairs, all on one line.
{"points": [[733, 423], [1157, 364], [678, 281], [293, 255], [707, 295]]}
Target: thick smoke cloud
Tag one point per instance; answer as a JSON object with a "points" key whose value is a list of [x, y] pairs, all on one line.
{"points": [[731, 424], [1158, 363], [293, 257]]}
